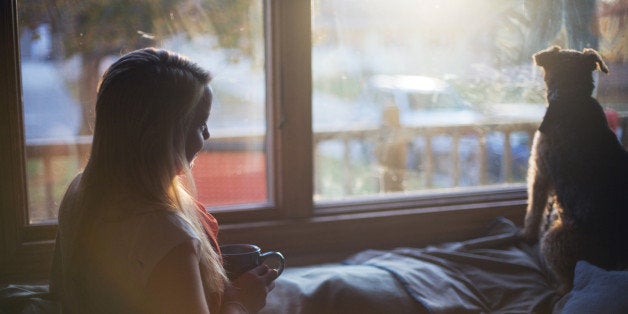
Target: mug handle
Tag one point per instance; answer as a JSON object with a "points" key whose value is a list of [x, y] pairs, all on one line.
{"points": [[279, 256]]}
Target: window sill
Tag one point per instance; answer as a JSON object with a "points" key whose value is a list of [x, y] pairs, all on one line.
{"points": [[326, 237], [331, 238]]}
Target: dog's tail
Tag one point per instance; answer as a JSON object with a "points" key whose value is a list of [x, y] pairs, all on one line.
{"points": [[596, 59]]}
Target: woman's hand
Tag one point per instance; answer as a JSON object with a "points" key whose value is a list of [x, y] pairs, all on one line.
{"points": [[251, 288]]}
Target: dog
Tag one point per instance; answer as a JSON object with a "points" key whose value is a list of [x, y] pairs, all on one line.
{"points": [[578, 168]]}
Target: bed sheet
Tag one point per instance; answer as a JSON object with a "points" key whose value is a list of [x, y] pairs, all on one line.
{"points": [[493, 273]]}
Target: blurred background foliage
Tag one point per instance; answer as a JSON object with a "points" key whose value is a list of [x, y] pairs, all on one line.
{"points": [[95, 29]]}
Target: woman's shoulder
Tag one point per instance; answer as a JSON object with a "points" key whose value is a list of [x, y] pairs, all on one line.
{"points": [[149, 236], [145, 218], [166, 223]]}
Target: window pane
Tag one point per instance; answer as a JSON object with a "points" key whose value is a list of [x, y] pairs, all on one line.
{"points": [[413, 96], [65, 47]]}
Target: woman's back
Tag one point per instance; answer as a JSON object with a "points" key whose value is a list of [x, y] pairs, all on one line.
{"points": [[125, 244]]}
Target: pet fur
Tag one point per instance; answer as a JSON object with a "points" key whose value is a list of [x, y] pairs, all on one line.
{"points": [[578, 163]]}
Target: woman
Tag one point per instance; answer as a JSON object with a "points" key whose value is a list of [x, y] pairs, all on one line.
{"points": [[132, 239]]}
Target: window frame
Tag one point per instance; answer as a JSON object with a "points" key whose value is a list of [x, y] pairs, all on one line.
{"points": [[306, 232]]}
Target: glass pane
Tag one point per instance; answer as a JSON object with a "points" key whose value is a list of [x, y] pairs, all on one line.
{"points": [[414, 96], [65, 47]]}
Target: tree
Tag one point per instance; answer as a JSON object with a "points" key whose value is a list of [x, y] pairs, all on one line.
{"points": [[94, 29]]}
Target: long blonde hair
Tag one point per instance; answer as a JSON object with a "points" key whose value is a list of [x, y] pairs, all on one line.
{"points": [[146, 104]]}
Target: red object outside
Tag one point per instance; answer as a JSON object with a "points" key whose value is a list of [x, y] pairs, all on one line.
{"points": [[224, 178], [613, 119]]}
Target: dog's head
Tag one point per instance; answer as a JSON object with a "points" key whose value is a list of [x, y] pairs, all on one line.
{"points": [[565, 68], [556, 59]]}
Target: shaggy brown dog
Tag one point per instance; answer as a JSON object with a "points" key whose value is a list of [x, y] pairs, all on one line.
{"points": [[577, 162]]}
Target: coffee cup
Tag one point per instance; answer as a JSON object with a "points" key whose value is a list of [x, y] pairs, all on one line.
{"points": [[240, 258]]}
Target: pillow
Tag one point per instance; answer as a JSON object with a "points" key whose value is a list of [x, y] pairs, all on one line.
{"points": [[597, 290]]}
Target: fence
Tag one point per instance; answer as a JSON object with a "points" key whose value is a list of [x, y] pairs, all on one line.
{"points": [[391, 147]]}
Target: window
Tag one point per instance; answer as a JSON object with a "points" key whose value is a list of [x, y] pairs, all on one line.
{"points": [[380, 123], [64, 51], [459, 76]]}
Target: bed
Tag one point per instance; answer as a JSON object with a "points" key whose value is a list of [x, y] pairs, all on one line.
{"points": [[493, 273]]}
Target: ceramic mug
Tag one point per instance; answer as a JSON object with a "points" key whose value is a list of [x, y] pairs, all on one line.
{"points": [[240, 258]]}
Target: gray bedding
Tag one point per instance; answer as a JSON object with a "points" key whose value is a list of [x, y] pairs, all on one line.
{"points": [[494, 273]]}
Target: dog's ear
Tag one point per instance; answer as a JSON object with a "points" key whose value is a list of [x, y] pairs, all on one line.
{"points": [[593, 57], [545, 57]]}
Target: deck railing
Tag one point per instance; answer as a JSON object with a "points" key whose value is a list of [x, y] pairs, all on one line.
{"points": [[397, 142], [49, 179]]}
